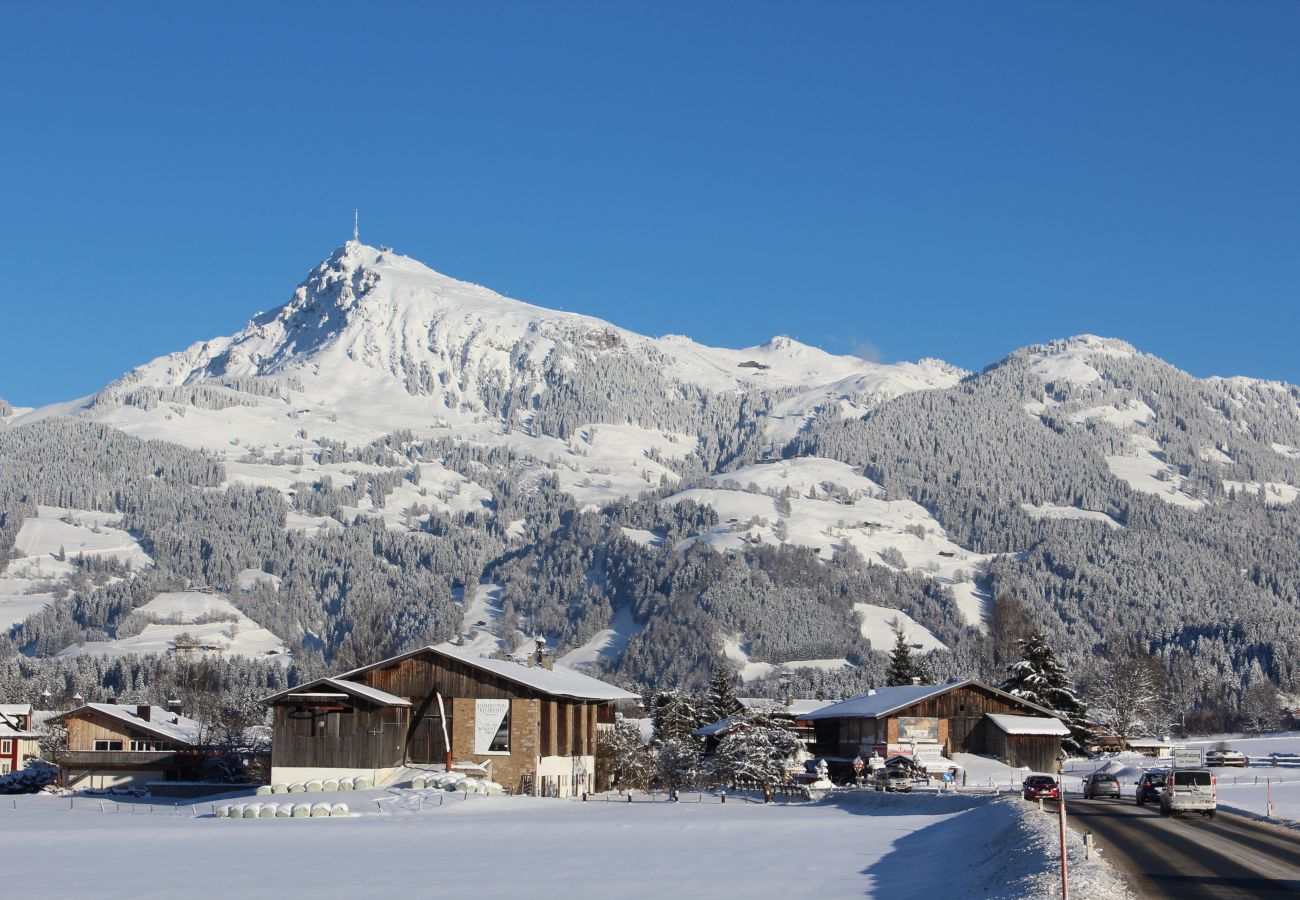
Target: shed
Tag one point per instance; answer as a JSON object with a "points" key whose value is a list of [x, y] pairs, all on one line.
{"points": [[1033, 742]]}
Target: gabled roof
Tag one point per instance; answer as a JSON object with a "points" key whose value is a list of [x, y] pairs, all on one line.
{"points": [[164, 724], [886, 700], [7, 731], [560, 681], [1029, 724], [796, 708], [338, 685], [15, 709]]}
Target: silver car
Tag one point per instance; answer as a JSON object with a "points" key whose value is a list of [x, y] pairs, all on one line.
{"points": [[1101, 784]]}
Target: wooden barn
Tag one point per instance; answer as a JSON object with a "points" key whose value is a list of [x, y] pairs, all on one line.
{"points": [[531, 725], [931, 722]]}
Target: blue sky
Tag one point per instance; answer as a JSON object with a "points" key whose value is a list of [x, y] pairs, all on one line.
{"points": [[894, 179]]}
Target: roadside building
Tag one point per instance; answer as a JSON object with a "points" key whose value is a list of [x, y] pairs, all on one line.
{"points": [[928, 723], [792, 713], [1158, 748], [527, 723], [18, 741], [127, 745]]}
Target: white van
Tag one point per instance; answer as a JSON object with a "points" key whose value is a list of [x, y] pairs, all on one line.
{"points": [[1189, 790]]}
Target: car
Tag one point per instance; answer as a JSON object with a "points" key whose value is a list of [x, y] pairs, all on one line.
{"points": [[894, 779], [1225, 758], [1041, 786], [1150, 785], [1189, 790], [1100, 784]]}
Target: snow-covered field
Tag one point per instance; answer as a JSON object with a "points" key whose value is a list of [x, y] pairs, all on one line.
{"points": [[28, 582], [851, 845], [195, 619]]}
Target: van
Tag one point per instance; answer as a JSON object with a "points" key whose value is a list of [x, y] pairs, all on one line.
{"points": [[1189, 790]]}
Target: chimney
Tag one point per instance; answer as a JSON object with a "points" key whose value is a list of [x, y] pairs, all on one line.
{"points": [[143, 710], [540, 654], [916, 679], [548, 661], [113, 701], [174, 707]]}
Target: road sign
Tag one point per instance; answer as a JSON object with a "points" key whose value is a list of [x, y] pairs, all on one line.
{"points": [[1188, 757], [947, 776], [858, 764]]}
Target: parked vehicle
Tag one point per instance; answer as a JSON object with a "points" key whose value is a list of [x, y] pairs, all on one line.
{"points": [[1150, 785], [1225, 758], [893, 778], [1045, 786], [1100, 784], [1189, 790]]}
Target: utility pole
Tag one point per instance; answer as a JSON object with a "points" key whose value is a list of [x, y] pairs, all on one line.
{"points": [[1065, 858]]}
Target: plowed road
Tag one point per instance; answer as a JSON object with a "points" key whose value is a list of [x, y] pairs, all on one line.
{"points": [[1191, 856]]}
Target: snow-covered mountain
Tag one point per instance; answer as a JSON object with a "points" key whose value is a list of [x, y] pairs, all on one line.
{"points": [[450, 417]]}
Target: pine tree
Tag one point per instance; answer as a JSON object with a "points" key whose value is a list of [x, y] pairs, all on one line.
{"points": [[721, 701], [759, 748], [901, 667], [625, 755], [1041, 679]]}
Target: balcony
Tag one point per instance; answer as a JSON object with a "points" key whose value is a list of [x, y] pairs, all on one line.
{"points": [[117, 759]]}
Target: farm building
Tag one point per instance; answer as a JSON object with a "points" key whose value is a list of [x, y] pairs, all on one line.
{"points": [[120, 745], [931, 722], [529, 724], [791, 712], [18, 742]]}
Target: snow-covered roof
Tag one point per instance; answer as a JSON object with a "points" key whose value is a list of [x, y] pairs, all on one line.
{"points": [[560, 681], [719, 727], [1028, 724], [883, 701], [15, 709], [161, 722], [796, 708], [1149, 742], [8, 732], [351, 688]]}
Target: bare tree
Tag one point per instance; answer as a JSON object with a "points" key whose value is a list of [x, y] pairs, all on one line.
{"points": [[1126, 692]]}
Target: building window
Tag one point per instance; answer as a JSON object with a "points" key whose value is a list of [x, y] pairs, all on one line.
{"points": [[149, 746], [6, 746], [4, 768], [501, 741], [108, 745]]}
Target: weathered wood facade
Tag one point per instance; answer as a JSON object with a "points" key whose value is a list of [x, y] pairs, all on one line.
{"points": [[111, 746], [543, 740], [956, 713]]}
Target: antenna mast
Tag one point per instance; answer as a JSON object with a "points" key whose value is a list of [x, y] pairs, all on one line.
{"points": [[356, 225]]}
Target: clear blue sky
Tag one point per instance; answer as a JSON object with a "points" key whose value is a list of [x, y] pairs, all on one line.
{"points": [[908, 179]]}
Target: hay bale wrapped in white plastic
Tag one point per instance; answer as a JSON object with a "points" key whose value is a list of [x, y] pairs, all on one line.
{"points": [[339, 809], [279, 789], [252, 810], [223, 812], [301, 810], [491, 787], [263, 790], [297, 788], [319, 810], [329, 785], [283, 810], [315, 786], [469, 785], [267, 811], [419, 782], [345, 784], [362, 783]]}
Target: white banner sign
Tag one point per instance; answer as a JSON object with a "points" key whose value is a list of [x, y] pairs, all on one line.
{"points": [[1188, 757], [488, 716]]}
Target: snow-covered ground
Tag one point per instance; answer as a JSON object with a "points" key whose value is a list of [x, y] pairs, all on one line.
{"points": [[849, 845], [28, 582], [195, 619], [878, 627]]}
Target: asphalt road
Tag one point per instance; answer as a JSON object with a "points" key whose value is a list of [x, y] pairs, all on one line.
{"points": [[1190, 856]]}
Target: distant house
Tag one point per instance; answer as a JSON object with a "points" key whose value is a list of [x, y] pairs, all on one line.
{"points": [[930, 722], [529, 724], [792, 713], [119, 745], [18, 741]]}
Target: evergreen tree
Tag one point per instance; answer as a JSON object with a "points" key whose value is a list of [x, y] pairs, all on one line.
{"points": [[625, 755], [721, 701], [1041, 679], [901, 667], [759, 748]]}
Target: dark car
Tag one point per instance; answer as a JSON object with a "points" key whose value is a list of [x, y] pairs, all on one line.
{"points": [[1101, 784], [1044, 786], [1150, 785]]}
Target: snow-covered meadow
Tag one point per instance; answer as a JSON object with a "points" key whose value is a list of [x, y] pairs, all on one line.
{"points": [[426, 842]]}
